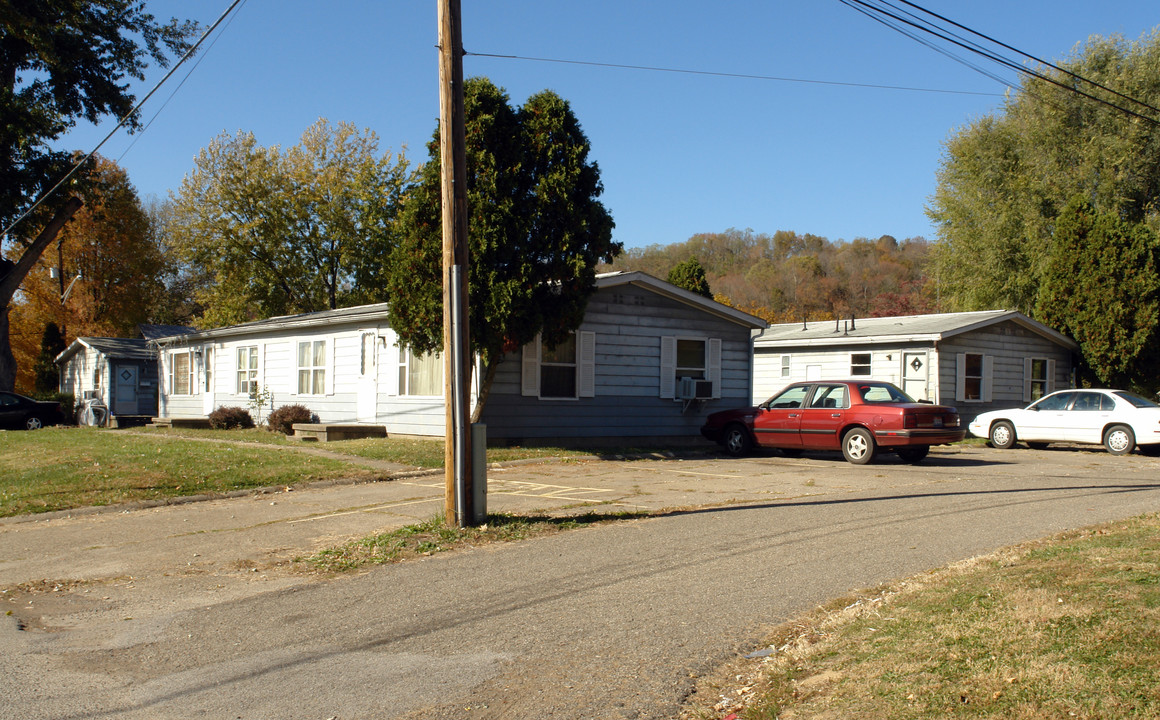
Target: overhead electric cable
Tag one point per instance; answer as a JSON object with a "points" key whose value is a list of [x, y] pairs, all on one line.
{"points": [[926, 43], [994, 57], [137, 135], [742, 76], [47, 194], [1063, 70]]}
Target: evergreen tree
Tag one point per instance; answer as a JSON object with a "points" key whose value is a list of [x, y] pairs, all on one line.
{"points": [[691, 276]]}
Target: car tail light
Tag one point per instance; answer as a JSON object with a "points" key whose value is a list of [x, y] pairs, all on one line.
{"points": [[909, 420]]}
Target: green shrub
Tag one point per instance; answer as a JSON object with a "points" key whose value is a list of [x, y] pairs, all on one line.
{"points": [[67, 404], [230, 418], [282, 420]]}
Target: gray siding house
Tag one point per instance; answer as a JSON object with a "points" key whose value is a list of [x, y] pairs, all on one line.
{"points": [[975, 361], [650, 360]]}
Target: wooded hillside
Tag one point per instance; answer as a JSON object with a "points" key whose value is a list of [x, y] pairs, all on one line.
{"points": [[786, 277]]}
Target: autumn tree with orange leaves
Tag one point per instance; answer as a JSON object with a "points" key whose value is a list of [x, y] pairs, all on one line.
{"points": [[108, 261]]}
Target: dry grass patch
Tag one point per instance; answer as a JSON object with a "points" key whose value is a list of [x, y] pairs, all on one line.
{"points": [[436, 536], [1065, 628]]}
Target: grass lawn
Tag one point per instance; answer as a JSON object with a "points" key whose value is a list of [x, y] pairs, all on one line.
{"points": [[65, 468], [1063, 628]]}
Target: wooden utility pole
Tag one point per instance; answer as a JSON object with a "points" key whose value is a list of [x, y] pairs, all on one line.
{"points": [[456, 339]]}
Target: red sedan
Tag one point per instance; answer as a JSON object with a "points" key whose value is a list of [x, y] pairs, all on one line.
{"points": [[858, 417]]}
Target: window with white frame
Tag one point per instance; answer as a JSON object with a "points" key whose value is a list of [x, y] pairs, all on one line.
{"points": [[1038, 376], [558, 369], [785, 366], [564, 372], [311, 367], [181, 372], [693, 358], [860, 364], [247, 369], [419, 374], [973, 381]]}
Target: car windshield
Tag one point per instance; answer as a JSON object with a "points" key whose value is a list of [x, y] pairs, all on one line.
{"points": [[882, 393], [1135, 400]]}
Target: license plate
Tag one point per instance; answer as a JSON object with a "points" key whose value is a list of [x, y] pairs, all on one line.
{"points": [[938, 421]]}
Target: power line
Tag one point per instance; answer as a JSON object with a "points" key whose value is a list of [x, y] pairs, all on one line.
{"points": [[120, 123], [1032, 57], [137, 135], [742, 76], [883, 9]]}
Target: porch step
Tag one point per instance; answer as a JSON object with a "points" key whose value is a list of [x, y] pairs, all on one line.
{"points": [[179, 423], [329, 432]]}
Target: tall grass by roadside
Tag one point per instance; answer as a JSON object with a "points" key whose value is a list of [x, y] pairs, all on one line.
{"points": [[1063, 628]]}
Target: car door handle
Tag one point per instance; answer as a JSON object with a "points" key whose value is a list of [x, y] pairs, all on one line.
{"points": [[835, 415], [792, 415]]}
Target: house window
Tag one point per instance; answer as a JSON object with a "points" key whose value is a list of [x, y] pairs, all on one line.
{"points": [[690, 359], [420, 374], [558, 369], [785, 366], [247, 370], [972, 377], [209, 369], [181, 373], [1038, 377], [564, 372], [860, 364], [312, 367]]}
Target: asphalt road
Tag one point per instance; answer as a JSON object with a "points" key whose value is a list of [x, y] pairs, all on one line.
{"points": [[183, 612]]}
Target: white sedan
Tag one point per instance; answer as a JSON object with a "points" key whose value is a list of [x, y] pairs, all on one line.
{"points": [[1119, 420]]}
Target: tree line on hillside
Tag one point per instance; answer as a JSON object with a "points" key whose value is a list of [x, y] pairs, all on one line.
{"points": [[789, 277]]}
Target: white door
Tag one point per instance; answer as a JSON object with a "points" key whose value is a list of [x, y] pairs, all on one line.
{"points": [[916, 375], [208, 378], [368, 377], [125, 390]]}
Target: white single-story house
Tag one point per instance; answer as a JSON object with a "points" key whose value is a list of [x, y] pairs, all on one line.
{"points": [[975, 361], [649, 361]]}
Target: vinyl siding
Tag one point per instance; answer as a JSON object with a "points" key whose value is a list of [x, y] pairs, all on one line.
{"points": [[628, 323]]}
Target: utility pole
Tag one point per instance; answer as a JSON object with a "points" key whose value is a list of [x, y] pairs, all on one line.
{"points": [[456, 339]]}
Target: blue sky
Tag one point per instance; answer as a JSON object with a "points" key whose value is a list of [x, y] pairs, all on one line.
{"points": [[679, 153]]}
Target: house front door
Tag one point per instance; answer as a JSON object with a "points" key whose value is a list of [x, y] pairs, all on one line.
{"points": [[368, 377], [916, 375], [208, 401], [125, 390]]}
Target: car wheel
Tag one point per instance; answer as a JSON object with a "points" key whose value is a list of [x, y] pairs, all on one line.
{"points": [[1149, 450], [1119, 440], [858, 446], [914, 454], [32, 423], [737, 441], [1003, 435]]}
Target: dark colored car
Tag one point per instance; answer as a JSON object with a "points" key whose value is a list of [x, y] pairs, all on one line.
{"points": [[17, 411], [858, 417]]}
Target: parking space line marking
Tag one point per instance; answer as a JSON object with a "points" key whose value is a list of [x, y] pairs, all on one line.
{"points": [[362, 510]]}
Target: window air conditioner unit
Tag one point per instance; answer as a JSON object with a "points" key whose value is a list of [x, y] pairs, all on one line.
{"points": [[686, 388], [703, 389]]}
